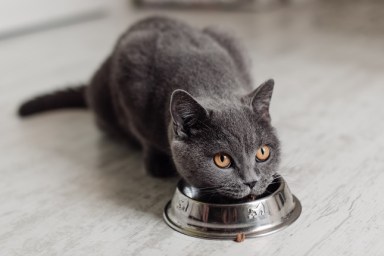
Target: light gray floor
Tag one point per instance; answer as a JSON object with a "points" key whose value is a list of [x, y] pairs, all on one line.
{"points": [[67, 190]]}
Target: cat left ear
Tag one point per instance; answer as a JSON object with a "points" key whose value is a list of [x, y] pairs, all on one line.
{"points": [[260, 99], [186, 113]]}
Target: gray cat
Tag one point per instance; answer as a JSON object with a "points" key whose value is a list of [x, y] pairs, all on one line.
{"points": [[185, 96]]}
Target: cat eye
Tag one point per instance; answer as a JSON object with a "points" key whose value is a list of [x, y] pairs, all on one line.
{"points": [[222, 160], [263, 153]]}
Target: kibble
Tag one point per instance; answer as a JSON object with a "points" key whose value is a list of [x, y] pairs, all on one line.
{"points": [[240, 237]]}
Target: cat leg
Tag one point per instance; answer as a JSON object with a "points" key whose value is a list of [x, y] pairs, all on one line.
{"points": [[158, 163]]}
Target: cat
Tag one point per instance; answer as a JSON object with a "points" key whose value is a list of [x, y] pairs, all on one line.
{"points": [[185, 96]]}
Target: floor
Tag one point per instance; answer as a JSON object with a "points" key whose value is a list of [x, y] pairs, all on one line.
{"points": [[65, 189]]}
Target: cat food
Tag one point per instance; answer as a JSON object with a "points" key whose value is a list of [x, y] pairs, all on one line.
{"points": [[240, 237]]}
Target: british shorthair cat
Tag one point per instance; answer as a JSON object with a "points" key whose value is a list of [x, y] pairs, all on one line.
{"points": [[185, 95]]}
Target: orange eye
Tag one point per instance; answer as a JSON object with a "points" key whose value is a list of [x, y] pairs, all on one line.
{"points": [[222, 160], [263, 153]]}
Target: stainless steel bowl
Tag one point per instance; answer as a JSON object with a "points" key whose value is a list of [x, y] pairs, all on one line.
{"points": [[193, 215]]}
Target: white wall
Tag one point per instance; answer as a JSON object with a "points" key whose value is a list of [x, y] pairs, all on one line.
{"points": [[21, 15]]}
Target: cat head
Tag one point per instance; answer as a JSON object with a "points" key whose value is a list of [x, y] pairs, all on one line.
{"points": [[225, 147]]}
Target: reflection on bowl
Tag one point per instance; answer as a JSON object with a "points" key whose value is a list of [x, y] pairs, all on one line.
{"points": [[193, 214]]}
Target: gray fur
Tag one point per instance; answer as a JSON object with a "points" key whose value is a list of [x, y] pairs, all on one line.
{"points": [[212, 95], [184, 94]]}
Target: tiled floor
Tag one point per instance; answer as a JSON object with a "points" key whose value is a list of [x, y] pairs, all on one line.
{"points": [[67, 190]]}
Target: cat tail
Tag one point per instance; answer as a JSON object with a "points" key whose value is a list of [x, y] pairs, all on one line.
{"points": [[74, 97]]}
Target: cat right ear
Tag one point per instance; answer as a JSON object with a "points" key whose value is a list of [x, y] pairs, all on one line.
{"points": [[186, 113], [260, 99]]}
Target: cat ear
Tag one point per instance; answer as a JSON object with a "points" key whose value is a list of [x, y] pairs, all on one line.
{"points": [[186, 112], [260, 99]]}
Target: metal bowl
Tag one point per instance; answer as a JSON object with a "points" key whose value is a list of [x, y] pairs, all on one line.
{"points": [[193, 215]]}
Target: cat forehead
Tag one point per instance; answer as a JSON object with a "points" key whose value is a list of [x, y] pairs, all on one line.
{"points": [[235, 127], [241, 126], [237, 118]]}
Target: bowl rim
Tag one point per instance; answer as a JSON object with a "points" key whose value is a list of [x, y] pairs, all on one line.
{"points": [[291, 218], [278, 177]]}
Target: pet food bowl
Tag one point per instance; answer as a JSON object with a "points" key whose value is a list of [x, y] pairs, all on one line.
{"points": [[191, 214]]}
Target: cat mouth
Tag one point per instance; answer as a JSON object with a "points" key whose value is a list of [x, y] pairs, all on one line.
{"points": [[269, 189], [252, 196], [257, 193], [233, 194], [227, 196]]}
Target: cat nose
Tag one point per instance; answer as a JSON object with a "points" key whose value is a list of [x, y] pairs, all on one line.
{"points": [[250, 184]]}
